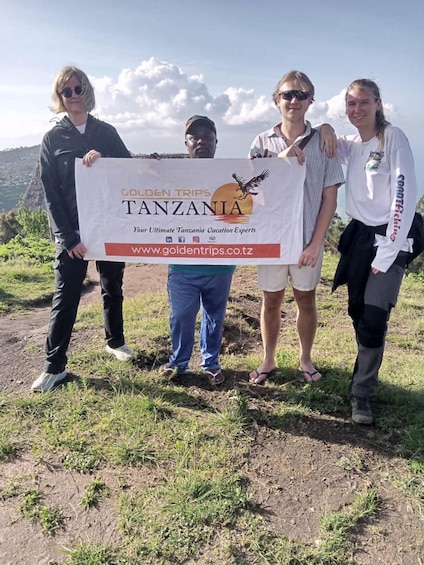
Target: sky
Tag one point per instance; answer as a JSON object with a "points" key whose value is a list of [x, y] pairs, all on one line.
{"points": [[154, 64]]}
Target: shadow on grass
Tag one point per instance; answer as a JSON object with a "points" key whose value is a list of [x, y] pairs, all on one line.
{"points": [[320, 411], [11, 302], [124, 385]]}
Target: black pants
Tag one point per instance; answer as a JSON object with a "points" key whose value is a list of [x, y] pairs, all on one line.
{"points": [[69, 277], [380, 297]]}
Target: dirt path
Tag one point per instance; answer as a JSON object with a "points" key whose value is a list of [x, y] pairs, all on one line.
{"points": [[19, 364]]}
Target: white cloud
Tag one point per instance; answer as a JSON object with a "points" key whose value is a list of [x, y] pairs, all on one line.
{"points": [[246, 109], [23, 129], [157, 95], [156, 98], [150, 103]]}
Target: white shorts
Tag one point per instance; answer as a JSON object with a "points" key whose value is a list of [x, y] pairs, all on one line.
{"points": [[273, 278]]}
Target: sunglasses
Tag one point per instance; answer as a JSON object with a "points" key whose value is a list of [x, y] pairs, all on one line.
{"points": [[290, 94], [78, 89]]}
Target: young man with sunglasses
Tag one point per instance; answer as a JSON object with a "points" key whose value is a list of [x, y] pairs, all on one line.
{"points": [[293, 95]]}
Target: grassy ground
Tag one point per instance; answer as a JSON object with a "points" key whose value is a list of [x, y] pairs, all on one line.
{"points": [[181, 472]]}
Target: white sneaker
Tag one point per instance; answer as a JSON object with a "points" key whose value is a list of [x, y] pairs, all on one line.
{"points": [[123, 353], [46, 381]]}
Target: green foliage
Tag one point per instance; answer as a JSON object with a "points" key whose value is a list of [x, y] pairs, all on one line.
{"points": [[8, 448], [77, 452], [133, 452], [413, 486], [172, 521], [238, 413], [81, 461], [29, 248], [417, 467], [24, 283], [95, 554], [313, 398], [26, 274], [212, 501], [93, 492], [417, 265], [34, 223], [334, 543], [12, 489], [48, 518], [9, 226], [333, 235]]}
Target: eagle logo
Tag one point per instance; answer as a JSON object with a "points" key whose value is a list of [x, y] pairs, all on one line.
{"points": [[246, 188]]}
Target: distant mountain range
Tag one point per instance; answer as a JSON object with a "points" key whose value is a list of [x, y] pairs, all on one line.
{"points": [[16, 170]]}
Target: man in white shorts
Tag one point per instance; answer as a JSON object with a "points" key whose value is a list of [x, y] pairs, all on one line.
{"points": [[293, 96]]}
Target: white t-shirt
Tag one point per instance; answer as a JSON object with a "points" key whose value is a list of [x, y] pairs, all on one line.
{"points": [[381, 188]]}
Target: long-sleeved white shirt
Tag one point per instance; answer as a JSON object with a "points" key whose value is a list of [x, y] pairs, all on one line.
{"points": [[381, 188]]}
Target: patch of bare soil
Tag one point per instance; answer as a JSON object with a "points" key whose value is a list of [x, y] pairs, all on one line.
{"points": [[22, 335], [298, 469]]}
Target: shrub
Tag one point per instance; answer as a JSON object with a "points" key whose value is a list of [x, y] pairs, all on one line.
{"points": [[334, 233], [9, 226], [36, 249], [34, 222]]}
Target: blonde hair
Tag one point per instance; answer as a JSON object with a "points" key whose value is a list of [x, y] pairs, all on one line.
{"points": [[380, 121], [300, 77], [61, 79]]}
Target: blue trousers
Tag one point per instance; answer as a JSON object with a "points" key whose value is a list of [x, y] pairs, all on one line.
{"points": [[69, 277], [187, 292]]}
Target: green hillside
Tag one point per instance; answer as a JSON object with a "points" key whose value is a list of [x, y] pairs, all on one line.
{"points": [[16, 168]]}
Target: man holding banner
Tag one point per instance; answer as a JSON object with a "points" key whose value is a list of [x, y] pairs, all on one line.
{"points": [[192, 285], [293, 96]]}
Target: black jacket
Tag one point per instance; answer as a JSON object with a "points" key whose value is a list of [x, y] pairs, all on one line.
{"points": [[59, 149], [357, 250]]}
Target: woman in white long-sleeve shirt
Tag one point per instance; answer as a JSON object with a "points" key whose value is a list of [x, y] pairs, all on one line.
{"points": [[381, 195]]}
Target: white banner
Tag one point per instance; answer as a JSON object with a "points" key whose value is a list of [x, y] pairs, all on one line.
{"points": [[194, 211]]}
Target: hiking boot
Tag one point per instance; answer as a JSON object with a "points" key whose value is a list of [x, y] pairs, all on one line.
{"points": [[46, 381], [361, 410], [122, 353]]}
